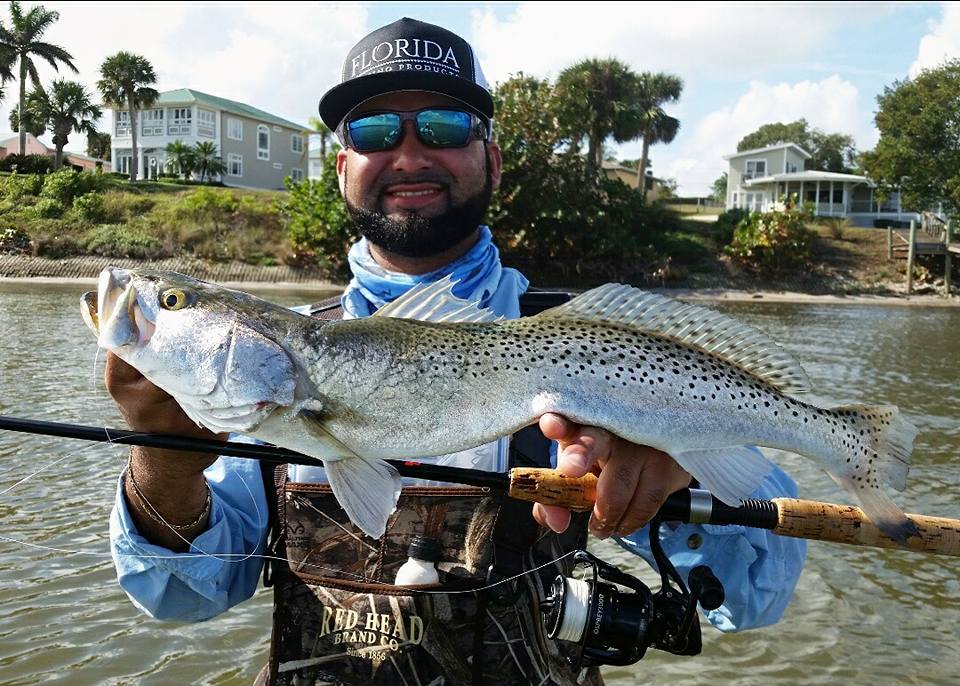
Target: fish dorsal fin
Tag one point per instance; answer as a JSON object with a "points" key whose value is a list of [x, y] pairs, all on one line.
{"points": [[435, 302], [735, 342]]}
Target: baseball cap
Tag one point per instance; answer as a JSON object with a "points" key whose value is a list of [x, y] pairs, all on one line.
{"points": [[404, 56]]}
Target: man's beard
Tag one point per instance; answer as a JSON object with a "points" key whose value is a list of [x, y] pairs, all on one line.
{"points": [[416, 236]]}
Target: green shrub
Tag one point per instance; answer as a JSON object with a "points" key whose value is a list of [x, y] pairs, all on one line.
{"points": [[16, 186], [772, 241], [120, 240], [89, 207], [835, 225], [121, 207], [208, 201], [26, 164], [48, 208], [727, 223], [317, 220], [66, 184]]}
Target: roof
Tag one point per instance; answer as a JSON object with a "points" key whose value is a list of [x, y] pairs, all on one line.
{"points": [[616, 166], [809, 176], [184, 95], [803, 153]]}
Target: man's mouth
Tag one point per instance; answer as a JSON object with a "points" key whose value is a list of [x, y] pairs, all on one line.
{"points": [[411, 196]]}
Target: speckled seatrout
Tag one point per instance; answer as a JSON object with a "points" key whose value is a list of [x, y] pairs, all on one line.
{"points": [[431, 374]]}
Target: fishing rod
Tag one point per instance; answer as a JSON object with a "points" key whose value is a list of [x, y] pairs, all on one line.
{"points": [[783, 516]]}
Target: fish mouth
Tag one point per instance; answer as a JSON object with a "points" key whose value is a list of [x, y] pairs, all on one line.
{"points": [[88, 308], [113, 312]]}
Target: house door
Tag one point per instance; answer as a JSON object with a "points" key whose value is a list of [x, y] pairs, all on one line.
{"points": [[150, 166]]}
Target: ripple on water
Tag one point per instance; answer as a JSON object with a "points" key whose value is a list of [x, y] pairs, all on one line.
{"points": [[859, 616]]}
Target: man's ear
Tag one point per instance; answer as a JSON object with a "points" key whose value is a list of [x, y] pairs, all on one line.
{"points": [[342, 169], [494, 163]]}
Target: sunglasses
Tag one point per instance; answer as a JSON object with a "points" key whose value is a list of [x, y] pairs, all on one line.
{"points": [[436, 127]]}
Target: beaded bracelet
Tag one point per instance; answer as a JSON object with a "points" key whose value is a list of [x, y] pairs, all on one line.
{"points": [[151, 511]]}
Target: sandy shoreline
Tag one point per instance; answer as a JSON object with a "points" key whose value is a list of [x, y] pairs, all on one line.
{"points": [[688, 294]]}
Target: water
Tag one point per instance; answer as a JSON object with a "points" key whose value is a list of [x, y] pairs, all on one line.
{"points": [[859, 616]]}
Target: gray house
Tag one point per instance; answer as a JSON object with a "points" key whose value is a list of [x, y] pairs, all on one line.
{"points": [[259, 149], [759, 179]]}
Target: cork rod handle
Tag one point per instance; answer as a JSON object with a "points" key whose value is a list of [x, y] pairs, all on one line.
{"points": [[549, 487]]}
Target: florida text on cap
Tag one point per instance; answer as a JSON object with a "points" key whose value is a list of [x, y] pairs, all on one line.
{"points": [[408, 55]]}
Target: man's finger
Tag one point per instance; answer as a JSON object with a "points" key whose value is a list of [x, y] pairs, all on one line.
{"points": [[554, 518], [615, 491], [555, 427]]}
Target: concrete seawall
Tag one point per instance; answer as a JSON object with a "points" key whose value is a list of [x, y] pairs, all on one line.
{"points": [[88, 268]]}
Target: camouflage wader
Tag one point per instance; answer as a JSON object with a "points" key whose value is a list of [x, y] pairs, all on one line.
{"points": [[339, 620]]}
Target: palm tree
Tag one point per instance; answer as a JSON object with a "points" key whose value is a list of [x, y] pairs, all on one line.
{"points": [[596, 100], [325, 134], [23, 41], [67, 108], [208, 159], [33, 121], [181, 157], [98, 145], [655, 125], [126, 80]]}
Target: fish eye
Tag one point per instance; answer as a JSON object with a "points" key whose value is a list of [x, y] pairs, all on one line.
{"points": [[174, 299]]}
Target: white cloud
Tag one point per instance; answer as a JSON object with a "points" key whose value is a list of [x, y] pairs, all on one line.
{"points": [[281, 60], [695, 157], [942, 43], [689, 39]]}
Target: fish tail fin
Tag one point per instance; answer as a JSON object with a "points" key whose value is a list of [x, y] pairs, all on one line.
{"points": [[367, 489], [878, 446]]}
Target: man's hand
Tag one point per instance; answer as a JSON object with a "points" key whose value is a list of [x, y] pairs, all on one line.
{"points": [[634, 480], [172, 481]]}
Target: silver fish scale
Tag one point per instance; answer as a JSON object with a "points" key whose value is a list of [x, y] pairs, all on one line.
{"points": [[444, 387]]}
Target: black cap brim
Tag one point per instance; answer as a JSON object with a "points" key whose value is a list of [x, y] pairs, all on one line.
{"points": [[339, 100]]}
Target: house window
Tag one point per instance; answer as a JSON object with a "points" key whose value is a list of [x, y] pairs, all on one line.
{"points": [[206, 123], [123, 164], [180, 121], [152, 122], [755, 169], [838, 196], [296, 175], [235, 129], [791, 168], [735, 199], [234, 164], [263, 143], [123, 123], [296, 143]]}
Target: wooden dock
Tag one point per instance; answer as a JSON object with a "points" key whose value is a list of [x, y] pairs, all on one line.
{"points": [[932, 237]]}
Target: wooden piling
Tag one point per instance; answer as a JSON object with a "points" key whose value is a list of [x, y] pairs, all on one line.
{"points": [[911, 254], [947, 260], [889, 242]]}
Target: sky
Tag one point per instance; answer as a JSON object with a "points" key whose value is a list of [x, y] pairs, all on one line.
{"points": [[743, 64]]}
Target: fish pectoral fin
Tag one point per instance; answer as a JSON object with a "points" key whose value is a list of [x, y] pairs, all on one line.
{"points": [[367, 489], [732, 474]]}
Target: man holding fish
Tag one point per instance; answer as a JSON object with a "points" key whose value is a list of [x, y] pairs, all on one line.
{"points": [[189, 534]]}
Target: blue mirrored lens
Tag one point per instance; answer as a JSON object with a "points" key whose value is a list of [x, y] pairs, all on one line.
{"points": [[375, 132], [443, 128]]}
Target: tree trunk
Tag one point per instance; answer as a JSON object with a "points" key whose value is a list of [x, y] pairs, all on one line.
{"points": [[133, 137], [642, 168], [323, 149], [23, 99], [58, 158]]}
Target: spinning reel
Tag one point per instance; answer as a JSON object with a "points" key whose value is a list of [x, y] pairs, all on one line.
{"points": [[613, 626]]}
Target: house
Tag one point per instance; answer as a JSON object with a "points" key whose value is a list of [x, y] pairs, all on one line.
{"points": [[759, 179], [628, 175], [10, 144], [259, 149]]}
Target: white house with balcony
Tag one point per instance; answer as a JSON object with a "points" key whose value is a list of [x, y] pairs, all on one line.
{"points": [[259, 149], [759, 179]]}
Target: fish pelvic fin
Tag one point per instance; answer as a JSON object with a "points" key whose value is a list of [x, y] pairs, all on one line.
{"points": [[367, 489], [880, 444], [732, 474], [692, 325]]}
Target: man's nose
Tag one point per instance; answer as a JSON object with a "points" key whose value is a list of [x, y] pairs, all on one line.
{"points": [[411, 154]]}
